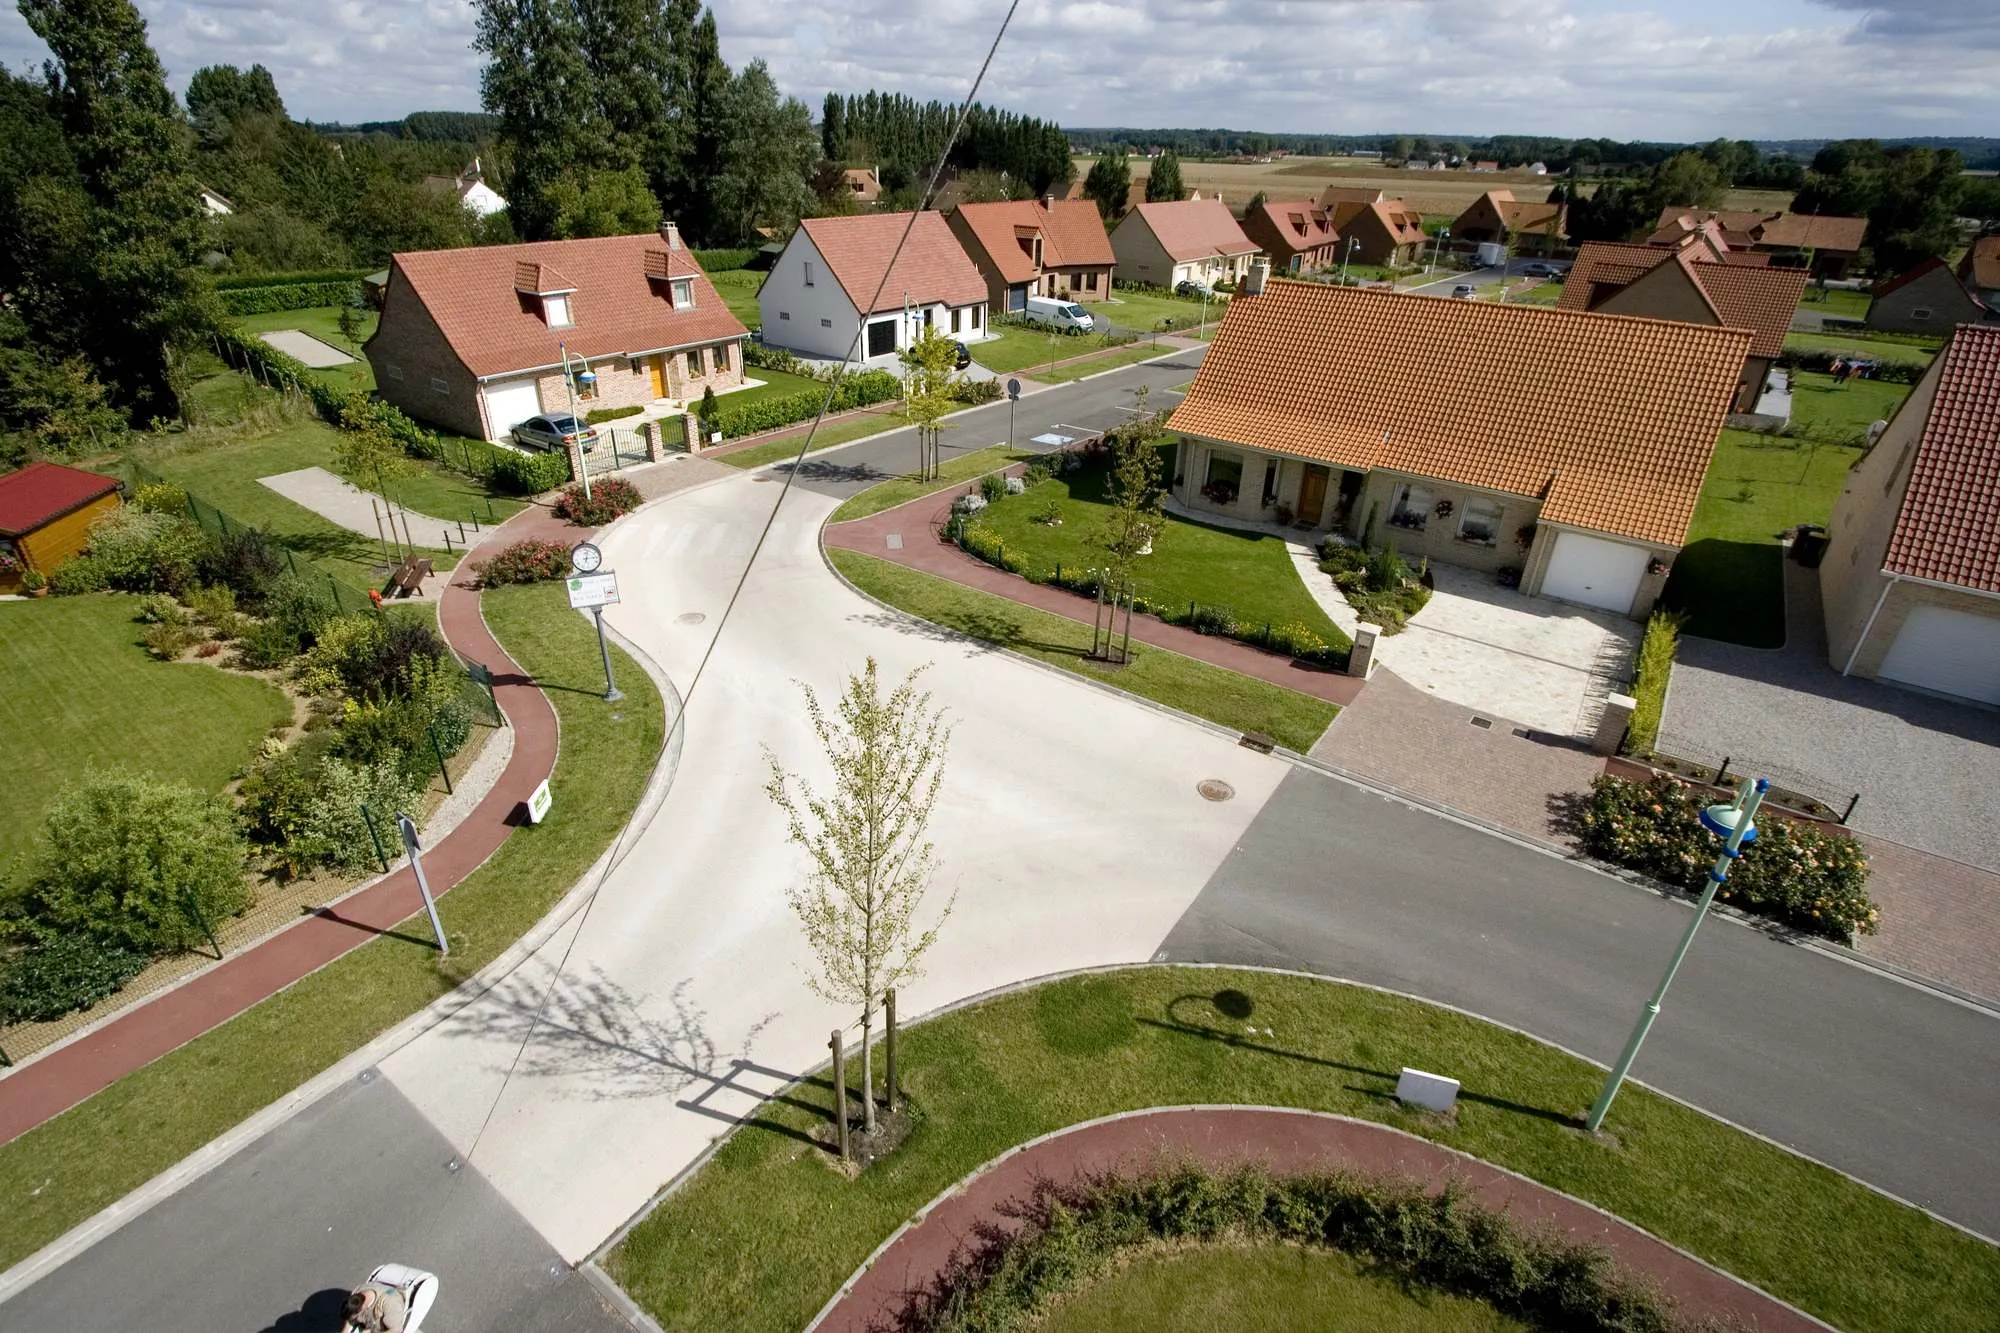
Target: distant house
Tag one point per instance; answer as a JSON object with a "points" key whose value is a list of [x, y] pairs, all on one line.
{"points": [[471, 189], [1980, 269], [1030, 247], [1333, 196], [1570, 448], [1910, 580], [1927, 299], [1387, 231], [1297, 234], [1497, 217], [46, 511], [864, 184], [1827, 243], [830, 284], [1692, 284], [480, 339], [1167, 244], [214, 204], [1538, 169], [1485, 166]]}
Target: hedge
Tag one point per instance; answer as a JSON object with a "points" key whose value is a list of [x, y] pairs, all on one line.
{"points": [[598, 416], [1889, 372], [861, 390], [721, 261], [241, 281], [1649, 686], [294, 296]]}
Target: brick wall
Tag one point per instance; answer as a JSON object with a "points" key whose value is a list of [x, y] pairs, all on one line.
{"points": [[410, 356], [626, 382]]}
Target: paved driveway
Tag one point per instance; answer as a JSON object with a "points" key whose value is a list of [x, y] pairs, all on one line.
{"points": [[1927, 770]]}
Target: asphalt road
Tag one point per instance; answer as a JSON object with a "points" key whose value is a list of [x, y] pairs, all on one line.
{"points": [[1479, 277], [1890, 1083]]}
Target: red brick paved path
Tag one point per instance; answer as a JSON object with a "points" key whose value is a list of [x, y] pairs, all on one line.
{"points": [[50, 1084], [1287, 1142], [918, 523]]}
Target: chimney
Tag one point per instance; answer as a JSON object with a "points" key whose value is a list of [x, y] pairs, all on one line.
{"points": [[671, 234], [1049, 202], [1260, 273]]}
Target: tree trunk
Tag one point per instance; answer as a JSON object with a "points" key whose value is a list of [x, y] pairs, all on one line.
{"points": [[868, 1069]]}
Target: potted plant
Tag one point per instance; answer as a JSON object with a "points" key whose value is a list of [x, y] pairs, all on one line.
{"points": [[35, 582]]}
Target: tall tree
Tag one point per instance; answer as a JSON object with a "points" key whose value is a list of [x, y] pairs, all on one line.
{"points": [[110, 259], [865, 836], [1163, 183], [1109, 184], [220, 95], [537, 81], [764, 159], [1910, 195], [833, 128], [1687, 180]]}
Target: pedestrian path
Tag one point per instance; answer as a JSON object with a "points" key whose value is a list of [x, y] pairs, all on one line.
{"points": [[908, 535], [1286, 1143], [341, 502], [48, 1085]]}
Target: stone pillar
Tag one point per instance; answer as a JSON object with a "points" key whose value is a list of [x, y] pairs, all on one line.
{"points": [[1362, 659], [691, 430], [575, 452], [651, 431], [1611, 727]]}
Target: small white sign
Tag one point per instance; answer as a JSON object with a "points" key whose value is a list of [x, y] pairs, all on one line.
{"points": [[1433, 1092], [588, 590], [538, 803]]}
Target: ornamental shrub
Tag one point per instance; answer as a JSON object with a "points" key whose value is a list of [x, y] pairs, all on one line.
{"points": [[161, 498], [532, 561], [1809, 877], [168, 640], [609, 498], [599, 415], [212, 605], [300, 606], [529, 474], [139, 863], [1649, 685], [993, 488], [973, 392], [857, 390], [247, 561], [334, 831], [1386, 570], [266, 644], [140, 550], [62, 975]]}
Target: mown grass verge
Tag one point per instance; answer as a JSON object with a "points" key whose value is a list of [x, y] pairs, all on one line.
{"points": [[62, 1172], [902, 490], [869, 421]]}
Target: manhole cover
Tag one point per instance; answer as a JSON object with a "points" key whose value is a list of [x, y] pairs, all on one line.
{"points": [[690, 617], [1214, 789]]}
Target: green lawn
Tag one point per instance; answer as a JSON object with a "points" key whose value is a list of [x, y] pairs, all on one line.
{"points": [[1240, 703], [1874, 349], [63, 1172], [765, 1232], [1149, 312], [1822, 404], [1542, 293], [82, 694], [323, 323], [777, 383], [1838, 302], [1251, 573], [1097, 365], [874, 421], [889, 494], [1016, 350], [738, 289], [1261, 1289]]}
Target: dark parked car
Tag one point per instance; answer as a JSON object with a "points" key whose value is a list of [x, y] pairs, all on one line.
{"points": [[554, 432], [1539, 270], [964, 356], [1193, 288]]}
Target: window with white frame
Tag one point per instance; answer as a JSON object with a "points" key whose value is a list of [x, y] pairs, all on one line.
{"points": [[684, 293], [695, 365], [555, 309], [1481, 521], [721, 352], [1413, 508], [1225, 478]]}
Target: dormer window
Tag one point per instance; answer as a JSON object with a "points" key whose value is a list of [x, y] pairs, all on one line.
{"points": [[683, 293], [555, 310]]}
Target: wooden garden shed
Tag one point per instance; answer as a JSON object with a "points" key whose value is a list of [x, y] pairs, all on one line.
{"points": [[46, 511]]}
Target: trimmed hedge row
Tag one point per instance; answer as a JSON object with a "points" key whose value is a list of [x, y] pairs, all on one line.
{"points": [[1889, 372], [291, 296], [230, 282], [862, 390], [722, 261]]}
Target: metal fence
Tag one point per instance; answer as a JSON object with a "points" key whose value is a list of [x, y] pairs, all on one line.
{"points": [[1794, 788]]}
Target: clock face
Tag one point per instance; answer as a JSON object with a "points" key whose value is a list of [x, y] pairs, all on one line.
{"points": [[586, 558]]}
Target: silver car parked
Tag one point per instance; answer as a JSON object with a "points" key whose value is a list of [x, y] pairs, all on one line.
{"points": [[554, 432]]}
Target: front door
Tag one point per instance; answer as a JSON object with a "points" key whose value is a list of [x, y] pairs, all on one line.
{"points": [[1312, 495], [656, 371]]}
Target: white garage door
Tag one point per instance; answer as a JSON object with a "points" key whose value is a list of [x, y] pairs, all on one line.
{"points": [[1595, 572], [508, 405], [1952, 652]]}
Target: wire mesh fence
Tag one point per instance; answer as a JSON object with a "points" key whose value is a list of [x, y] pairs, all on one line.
{"points": [[1794, 788]]}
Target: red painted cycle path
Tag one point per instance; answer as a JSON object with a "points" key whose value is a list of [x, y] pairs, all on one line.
{"points": [[1287, 1142], [50, 1084]]}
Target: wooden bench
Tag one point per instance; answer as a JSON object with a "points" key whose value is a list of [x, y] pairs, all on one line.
{"points": [[408, 580]]}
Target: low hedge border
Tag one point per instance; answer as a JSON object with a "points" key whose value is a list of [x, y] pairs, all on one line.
{"points": [[860, 390], [289, 296], [233, 282], [1649, 685], [1074, 1233]]}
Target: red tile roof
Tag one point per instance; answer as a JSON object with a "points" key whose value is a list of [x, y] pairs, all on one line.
{"points": [[1757, 298], [932, 269], [1195, 228], [1611, 420], [40, 492], [1299, 224], [1072, 235], [1798, 231], [1981, 265], [1949, 527], [477, 297]]}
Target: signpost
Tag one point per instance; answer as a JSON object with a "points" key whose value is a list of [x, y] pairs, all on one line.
{"points": [[538, 803], [592, 589], [1013, 399], [415, 849]]}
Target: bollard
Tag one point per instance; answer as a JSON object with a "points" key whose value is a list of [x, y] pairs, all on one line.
{"points": [[889, 1008], [839, 1093]]}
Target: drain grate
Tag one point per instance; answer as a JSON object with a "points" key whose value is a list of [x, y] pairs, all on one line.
{"points": [[1483, 723], [1214, 789], [690, 617]]}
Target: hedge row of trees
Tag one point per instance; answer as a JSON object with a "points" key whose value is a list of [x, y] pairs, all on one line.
{"points": [[905, 138]]}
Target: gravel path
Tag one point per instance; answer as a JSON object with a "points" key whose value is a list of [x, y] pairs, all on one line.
{"points": [[341, 502], [304, 347]]}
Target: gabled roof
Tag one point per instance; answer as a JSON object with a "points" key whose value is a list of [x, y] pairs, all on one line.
{"points": [[1349, 194], [41, 492], [1072, 234], [932, 268], [1194, 228], [1611, 420], [1948, 529], [1758, 298], [1981, 265], [1403, 223], [1299, 224], [1781, 230], [1909, 275], [479, 296]]}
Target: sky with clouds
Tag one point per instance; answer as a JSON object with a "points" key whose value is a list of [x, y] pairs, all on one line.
{"points": [[1655, 69]]}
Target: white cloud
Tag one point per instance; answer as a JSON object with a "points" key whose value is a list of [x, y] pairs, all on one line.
{"points": [[1685, 69]]}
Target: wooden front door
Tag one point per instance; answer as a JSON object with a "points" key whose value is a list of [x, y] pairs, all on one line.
{"points": [[1312, 495], [656, 370]]}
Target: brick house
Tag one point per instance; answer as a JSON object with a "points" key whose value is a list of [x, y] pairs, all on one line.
{"points": [[1297, 234], [1929, 298], [1569, 448], [1030, 247], [1827, 243], [1694, 283], [474, 340], [1497, 217], [1189, 240], [832, 291], [1980, 269], [46, 511], [1910, 580], [1380, 231]]}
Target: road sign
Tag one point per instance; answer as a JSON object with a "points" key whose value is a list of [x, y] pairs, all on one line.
{"points": [[592, 590], [1013, 388], [538, 803]]}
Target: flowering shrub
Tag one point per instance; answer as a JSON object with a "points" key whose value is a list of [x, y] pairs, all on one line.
{"points": [[607, 500], [530, 561], [1806, 876]]}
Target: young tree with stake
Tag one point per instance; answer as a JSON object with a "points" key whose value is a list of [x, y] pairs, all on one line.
{"points": [[928, 365], [1136, 502], [865, 835]]}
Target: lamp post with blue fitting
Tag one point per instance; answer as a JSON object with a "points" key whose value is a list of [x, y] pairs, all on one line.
{"points": [[1735, 825]]}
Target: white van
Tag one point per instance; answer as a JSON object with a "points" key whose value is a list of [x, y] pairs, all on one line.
{"points": [[1064, 315]]}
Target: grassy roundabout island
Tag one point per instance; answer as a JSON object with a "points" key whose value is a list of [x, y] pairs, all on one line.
{"points": [[763, 1234]]}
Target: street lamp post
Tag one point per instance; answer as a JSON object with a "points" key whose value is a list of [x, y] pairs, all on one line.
{"points": [[588, 376], [1735, 824], [1346, 255], [1437, 250]]}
